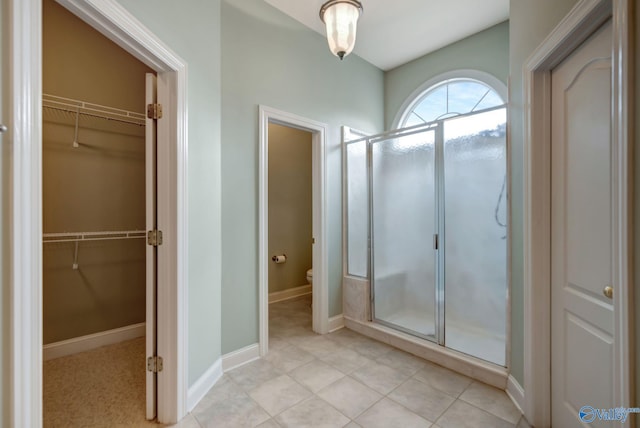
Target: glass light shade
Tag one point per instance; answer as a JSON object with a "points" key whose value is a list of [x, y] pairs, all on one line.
{"points": [[341, 20]]}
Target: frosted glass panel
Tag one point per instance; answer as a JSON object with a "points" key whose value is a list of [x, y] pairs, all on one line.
{"points": [[357, 209], [403, 217], [475, 235]]}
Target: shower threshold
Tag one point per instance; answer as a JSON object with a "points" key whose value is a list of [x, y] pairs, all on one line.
{"points": [[475, 368]]}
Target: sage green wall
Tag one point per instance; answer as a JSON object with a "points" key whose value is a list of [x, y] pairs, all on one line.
{"points": [[191, 28], [4, 228], [271, 59], [290, 206], [486, 51], [529, 23]]}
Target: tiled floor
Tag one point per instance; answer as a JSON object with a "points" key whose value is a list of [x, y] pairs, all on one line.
{"points": [[344, 379]]}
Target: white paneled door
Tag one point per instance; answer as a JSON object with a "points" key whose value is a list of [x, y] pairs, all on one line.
{"points": [[582, 323]]}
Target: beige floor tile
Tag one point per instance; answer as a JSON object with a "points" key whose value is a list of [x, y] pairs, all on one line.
{"points": [[317, 345], [237, 412], [313, 412], [346, 337], [279, 394], [402, 361], [491, 400], [188, 421], [223, 390], [253, 374], [288, 358], [522, 423], [269, 424], [422, 399], [316, 375], [387, 413], [380, 377], [277, 341], [371, 348], [463, 415], [346, 360], [353, 425], [349, 396], [443, 379], [292, 333]]}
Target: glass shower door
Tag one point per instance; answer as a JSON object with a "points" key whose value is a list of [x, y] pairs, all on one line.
{"points": [[475, 234], [403, 222]]}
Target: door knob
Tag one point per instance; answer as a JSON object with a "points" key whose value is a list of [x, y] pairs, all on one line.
{"points": [[608, 291], [3, 128]]}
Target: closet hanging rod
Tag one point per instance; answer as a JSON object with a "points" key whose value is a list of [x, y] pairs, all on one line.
{"points": [[93, 236], [94, 110]]}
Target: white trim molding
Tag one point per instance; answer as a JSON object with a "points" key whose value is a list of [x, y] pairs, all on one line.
{"points": [[92, 341], [336, 323], [25, 136], [515, 393], [465, 364], [291, 293], [240, 357], [416, 96], [23, 139], [575, 28], [320, 305], [200, 387]]}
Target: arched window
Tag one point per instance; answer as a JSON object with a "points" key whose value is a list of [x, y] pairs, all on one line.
{"points": [[451, 94]]}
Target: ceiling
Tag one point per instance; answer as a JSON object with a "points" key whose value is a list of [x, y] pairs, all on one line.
{"points": [[394, 32]]}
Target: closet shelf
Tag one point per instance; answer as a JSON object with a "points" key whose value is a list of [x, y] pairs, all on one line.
{"points": [[93, 236], [94, 110]]}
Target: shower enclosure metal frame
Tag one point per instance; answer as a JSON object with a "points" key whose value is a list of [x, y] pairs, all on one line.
{"points": [[439, 238]]}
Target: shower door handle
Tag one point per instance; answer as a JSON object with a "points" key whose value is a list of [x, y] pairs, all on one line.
{"points": [[435, 241]]}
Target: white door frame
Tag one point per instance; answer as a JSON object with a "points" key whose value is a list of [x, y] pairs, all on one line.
{"points": [[574, 29], [320, 305], [25, 139]]}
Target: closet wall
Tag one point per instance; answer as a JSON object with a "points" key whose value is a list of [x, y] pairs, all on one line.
{"points": [[98, 186]]}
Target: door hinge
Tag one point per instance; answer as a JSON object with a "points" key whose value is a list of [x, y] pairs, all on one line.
{"points": [[154, 111], [154, 364], [154, 238]]}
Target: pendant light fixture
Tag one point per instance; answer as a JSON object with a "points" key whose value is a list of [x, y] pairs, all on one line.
{"points": [[341, 20]]}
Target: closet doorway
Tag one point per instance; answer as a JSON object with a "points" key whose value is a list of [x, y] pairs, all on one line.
{"points": [[99, 202]]}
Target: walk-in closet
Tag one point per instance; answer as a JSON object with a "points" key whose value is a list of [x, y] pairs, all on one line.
{"points": [[94, 242]]}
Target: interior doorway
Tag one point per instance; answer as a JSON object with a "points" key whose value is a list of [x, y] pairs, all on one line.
{"points": [[25, 105], [99, 200], [582, 311], [317, 131], [290, 232], [553, 292]]}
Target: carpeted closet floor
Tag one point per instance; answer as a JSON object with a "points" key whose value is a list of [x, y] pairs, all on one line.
{"points": [[104, 387]]}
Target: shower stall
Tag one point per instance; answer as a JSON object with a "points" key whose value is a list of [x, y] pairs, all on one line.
{"points": [[426, 217]]}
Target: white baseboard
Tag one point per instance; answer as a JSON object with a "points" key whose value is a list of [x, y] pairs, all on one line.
{"points": [[291, 293], [91, 341], [515, 392], [240, 357], [336, 323], [199, 389]]}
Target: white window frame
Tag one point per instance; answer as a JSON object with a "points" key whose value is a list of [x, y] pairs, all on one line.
{"points": [[466, 74]]}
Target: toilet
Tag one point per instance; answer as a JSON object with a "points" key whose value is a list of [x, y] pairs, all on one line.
{"points": [[310, 276]]}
